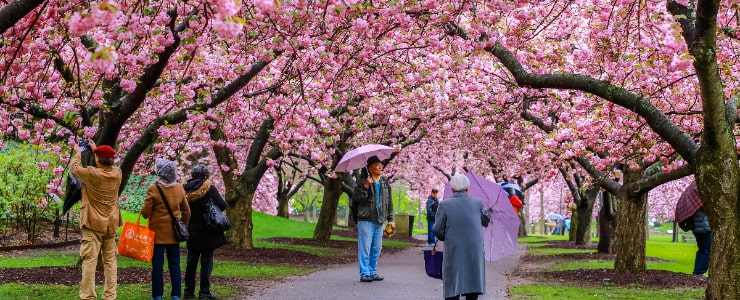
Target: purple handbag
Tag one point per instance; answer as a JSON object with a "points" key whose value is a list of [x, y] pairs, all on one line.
{"points": [[433, 262]]}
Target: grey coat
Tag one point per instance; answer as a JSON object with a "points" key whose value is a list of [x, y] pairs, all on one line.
{"points": [[459, 224]]}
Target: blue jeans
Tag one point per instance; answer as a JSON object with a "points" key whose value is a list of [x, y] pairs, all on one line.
{"points": [[369, 245], [701, 262], [206, 266], [430, 233], [173, 263]]}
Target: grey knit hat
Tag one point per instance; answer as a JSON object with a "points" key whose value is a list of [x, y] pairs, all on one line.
{"points": [[200, 171]]}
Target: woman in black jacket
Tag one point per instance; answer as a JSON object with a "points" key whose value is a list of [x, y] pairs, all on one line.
{"points": [[202, 241]]}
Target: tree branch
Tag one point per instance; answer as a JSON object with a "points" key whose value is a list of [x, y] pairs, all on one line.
{"points": [[15, 11], [657, 121]]}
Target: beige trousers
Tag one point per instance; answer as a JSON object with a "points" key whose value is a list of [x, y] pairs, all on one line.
{"points": [[92, 242]]}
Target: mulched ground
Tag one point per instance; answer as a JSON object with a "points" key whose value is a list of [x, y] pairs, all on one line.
{"points": [[531, 268]]}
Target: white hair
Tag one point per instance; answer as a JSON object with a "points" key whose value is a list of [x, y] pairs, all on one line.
{"points": [[459, 183]]}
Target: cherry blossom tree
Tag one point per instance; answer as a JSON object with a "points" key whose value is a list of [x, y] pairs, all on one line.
{"points": [[698, 64]]}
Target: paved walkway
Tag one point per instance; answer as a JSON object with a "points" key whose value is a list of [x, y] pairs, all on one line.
{"points": [[404, 274]]}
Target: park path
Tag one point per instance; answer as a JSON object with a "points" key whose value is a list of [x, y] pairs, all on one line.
{"points": [[404, 274]]}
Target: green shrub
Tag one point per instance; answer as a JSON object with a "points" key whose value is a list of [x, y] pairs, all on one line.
{"points": [[28, 194], [134, 193]]}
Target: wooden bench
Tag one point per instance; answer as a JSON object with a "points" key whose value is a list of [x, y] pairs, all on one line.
{"points": [[688, 238]]}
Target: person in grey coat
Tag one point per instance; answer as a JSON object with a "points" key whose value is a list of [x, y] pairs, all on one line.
{"points": [[458, 225]]}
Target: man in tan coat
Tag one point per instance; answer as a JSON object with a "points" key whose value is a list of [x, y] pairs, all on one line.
{"points": [[100, 218]]}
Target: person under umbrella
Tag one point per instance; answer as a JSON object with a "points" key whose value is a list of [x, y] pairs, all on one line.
{"points": [[516, 203], [374, 205], [690, 204], [458, 224]]}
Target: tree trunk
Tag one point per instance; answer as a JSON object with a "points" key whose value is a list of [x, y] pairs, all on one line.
{"points": [[282, 208], [522, 224], [607, 224], [328, 215], [542, 211], [573, 226], [240, 215], [631, 216], [717, 181], [585, 210]]}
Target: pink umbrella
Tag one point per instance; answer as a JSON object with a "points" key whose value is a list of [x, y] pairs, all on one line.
{"points": [[499, 238], [357, 158]]}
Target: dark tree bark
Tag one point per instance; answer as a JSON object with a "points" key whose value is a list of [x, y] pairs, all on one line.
{"points": [[584, 211], [282, 208], [607, 224], [522, 224], [287, 187], [14, 11], [631, 216], [328, 215]]}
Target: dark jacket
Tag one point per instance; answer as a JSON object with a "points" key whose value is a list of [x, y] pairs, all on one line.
{"points": [[367, 209], [701, 223], [199, 192], [432, 204]]}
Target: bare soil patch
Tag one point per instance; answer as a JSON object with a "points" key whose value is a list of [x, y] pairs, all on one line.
{"points": [[532, 269]]}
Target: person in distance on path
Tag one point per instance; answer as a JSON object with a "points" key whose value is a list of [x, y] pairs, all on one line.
{"points": [[432, 204]]}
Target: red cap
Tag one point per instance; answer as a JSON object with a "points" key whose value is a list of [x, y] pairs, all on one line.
{"points": [[105, 151]]}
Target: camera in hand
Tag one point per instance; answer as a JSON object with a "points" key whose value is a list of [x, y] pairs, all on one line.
{"points": [[84, 145]]}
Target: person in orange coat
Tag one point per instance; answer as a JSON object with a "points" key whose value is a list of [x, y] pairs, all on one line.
{"points": [[100, 216], [516, 203], [160, 222]]}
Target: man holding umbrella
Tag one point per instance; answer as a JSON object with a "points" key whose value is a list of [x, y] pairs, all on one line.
{"points": [[100, 217], [374, 206]]}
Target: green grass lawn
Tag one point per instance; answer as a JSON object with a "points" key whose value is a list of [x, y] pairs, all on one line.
{"points": [[677, 257], [265, 227]]}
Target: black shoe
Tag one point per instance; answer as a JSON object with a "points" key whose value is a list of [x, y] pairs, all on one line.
{"points": [[366, 278], [207, 296], [189, 296], [375, 277]]}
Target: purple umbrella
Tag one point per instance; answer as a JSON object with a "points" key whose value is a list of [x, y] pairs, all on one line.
{"points": [[499, 238], [357, 158]]}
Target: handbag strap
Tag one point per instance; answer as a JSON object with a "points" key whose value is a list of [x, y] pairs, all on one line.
{"points": [[164, 199], [434, 248]]}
